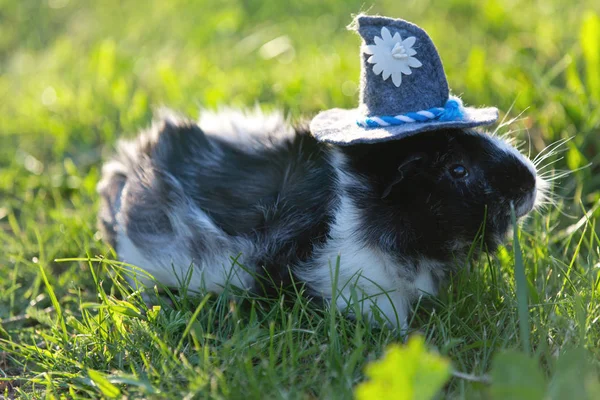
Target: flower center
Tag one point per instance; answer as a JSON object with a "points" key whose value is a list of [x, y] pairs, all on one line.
{"points": [[398, 51]]}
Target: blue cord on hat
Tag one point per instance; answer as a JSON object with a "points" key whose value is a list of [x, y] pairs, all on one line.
{"points": [[452, 111]]}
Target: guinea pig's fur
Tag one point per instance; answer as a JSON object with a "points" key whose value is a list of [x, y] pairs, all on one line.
{"points": [[249, 200]]}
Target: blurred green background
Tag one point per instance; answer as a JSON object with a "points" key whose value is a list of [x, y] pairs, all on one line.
{"points": [[75, 75]]}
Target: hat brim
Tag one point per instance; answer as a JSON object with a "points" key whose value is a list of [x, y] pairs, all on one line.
{"points": [[338, 126]]}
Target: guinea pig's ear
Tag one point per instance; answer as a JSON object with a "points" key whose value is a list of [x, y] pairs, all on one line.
{"points": [[405, 169]]}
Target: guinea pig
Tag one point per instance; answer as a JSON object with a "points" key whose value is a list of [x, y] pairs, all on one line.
{"points": [[247, 199]]}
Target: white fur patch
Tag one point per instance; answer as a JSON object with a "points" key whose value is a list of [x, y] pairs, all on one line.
{"points": [[237, 126], [109, 171], [363, 268], [424, 282], [543, 192], [169, 259], [371, 274]]}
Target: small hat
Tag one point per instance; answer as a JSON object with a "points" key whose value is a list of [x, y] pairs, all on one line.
{"points": [[403, 89]]}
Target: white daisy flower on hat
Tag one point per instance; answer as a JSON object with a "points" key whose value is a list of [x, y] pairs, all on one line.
{"points": [[392, 56]]}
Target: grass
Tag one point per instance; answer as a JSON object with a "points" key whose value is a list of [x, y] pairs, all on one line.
{"points": [[75, 76]]}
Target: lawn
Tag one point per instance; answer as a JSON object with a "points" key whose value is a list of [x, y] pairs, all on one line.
{"points": [[76, 75]]}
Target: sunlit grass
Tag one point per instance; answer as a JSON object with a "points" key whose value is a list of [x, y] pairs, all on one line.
{"points": [[75, 76]]}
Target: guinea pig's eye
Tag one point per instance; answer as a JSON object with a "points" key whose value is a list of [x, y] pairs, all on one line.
{"points": [[458, 171]]}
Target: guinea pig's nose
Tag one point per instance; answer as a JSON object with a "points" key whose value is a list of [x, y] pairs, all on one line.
{"points": [[525, 180], [525, 204], [527, 187], [520, 184], [525, 193], [518, 190]]}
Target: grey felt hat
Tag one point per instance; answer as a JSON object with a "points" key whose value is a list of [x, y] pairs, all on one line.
{"points": [[403, 89]]}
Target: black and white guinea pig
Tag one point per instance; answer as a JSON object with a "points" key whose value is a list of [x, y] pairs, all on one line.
{"points": [[399, 214]]}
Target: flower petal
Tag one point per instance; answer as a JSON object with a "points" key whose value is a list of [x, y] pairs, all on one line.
{"points": [[397, 78], [397, 38], [372, 59], [386, 74], [414, 63], [385, 34], [378, 41], [370, 49], [409, 41], [411, 52], [404, 68], [377, 68]]}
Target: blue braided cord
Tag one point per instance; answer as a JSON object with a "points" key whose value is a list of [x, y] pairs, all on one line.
{"points": [[418, 117], [370, 123], [389, 120], [452, 111]]}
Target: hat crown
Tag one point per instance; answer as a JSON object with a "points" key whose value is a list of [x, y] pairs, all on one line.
{"points": [[401, 70], [403, 89]]}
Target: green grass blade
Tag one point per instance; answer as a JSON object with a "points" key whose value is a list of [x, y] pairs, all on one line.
{"points": [[50, 289], [521, 281], [191, 322], [107, 388]]}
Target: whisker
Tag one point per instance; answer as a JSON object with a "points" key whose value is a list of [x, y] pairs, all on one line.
{"points": [[541, 157], [529, 143], [553, 201], [506, 115], [507, 123], [510, 133], [550, 149], [510, 122], [553, 145], [582, 221], [564, 173], [548, 198], [551, 174], [549, 164], [548, 155], [565, 214]]}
